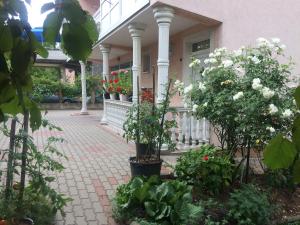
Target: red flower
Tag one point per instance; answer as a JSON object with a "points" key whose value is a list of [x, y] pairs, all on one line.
{"points": [[114, 73], [111, 81], [205, 158], [118, 89], [116, 80]]}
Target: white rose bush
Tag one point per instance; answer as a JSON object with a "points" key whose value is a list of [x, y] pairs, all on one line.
{"points": [[245, 96]]}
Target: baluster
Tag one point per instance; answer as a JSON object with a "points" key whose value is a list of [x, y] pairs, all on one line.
{"points": [[204, 131], [198, 130], [193, 130], [187, 131], [173, 130], [207, 136], [180, 131]]}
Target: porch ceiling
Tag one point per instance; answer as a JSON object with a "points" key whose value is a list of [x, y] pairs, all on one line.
{"points": [[121, 41]]}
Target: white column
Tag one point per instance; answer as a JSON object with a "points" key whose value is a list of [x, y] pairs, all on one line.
{"points": [[83, 90], [136, 30], [163, 16], [105, 49]]}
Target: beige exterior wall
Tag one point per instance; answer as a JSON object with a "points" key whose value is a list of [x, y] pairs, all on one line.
{"points": [[244, 21]]}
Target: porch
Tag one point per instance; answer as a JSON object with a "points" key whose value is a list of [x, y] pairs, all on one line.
{"points": [[167, 37]]}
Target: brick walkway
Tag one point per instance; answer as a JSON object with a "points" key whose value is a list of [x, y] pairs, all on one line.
{"points": [[97, 163]]}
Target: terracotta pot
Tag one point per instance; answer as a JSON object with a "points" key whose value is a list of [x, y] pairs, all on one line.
{"points": [[3, 222]]}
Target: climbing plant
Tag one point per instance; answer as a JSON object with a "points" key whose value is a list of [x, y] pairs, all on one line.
{"points": [[19, 48]]}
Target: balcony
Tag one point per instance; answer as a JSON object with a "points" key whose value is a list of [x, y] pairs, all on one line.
{"points": [[113, 13]]}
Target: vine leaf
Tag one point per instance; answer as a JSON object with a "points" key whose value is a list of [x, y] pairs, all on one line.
{"points": [[52, 26], [6, 39], [46, 7], [296, 171], [35, 117], [279, 153], [296, 133], [297, 96]]}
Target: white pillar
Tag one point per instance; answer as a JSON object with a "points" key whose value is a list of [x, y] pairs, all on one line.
{"points": [[83, 90], [163, 16], [105, 49], [136, 30]]}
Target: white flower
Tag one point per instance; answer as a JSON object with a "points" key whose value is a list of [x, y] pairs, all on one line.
{"points": [[275, 40], [195, 107], [271, 129], [218, 54], [267, 93], [211, 55], [283, 47], [240, 71], [202, 86], [185, 105], [287, 113], [238, 95], [226, 82], [238, 52], [255, 60], [206, 61], [212, 60], [272, 109], [227, 63], [256, 85], [188, 89], [262, 42], [205, 104], [294, 102], [179, 86], [195, 63]]}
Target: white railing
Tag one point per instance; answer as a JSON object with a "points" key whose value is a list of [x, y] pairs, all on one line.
{"points": [[116, 113], [190, 131]]}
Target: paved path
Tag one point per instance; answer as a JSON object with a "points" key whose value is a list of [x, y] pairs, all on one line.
{"points": [[97, 163]]}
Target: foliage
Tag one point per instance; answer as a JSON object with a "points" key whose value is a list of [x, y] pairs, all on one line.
{"points": [[155, 201], [244, 94], [145, 123], [249, 206], [283, 151], [207, 168]]}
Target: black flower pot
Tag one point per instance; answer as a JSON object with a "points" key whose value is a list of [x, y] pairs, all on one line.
{"points": [[144, 168], [144, 150]]}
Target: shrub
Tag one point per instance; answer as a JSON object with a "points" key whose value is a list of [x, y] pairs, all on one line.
{"points": [[249, 206], [208, 169], [155, 202]]}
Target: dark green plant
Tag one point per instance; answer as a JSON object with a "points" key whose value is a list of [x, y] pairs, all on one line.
{"points": [[283, 150], [208, 169], [249, 206], [155, 201]]}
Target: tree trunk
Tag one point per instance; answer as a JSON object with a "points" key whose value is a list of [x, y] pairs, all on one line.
{"points": [[24, 155], [10, 169]]}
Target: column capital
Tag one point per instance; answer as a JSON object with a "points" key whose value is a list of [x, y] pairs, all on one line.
{"points": [[105, 48], [136, 29], [163, 14]]}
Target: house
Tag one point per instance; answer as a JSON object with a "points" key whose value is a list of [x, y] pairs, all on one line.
{"points": [[167, 33]]}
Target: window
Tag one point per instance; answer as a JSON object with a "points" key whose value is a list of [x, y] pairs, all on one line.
{"points": [[146, 63], [201, 45]]}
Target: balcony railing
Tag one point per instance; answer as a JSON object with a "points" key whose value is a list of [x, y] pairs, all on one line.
{"points": [[112, 13], [189, 133]]}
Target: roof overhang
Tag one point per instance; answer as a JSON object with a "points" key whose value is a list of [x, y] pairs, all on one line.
{"points": [[121, 42]]}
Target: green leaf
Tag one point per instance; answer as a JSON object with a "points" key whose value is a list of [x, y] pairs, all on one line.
{"points": [[6, 39], [91, 27], [7, 92], [50, 179], [296, 133], [12, 107], [1, 116], [19, 6], [76, 42], [279, 153], [297, 96], [35, 117], [72, 11], [150, 208], [48, 6], [39, 49], [296, 171], [52, 26]]}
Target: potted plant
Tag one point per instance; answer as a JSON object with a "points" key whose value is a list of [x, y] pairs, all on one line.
{"points": [[147, 127], [124, 87]]}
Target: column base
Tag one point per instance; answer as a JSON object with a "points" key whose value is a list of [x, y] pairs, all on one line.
{"points": [[84, 112], [104, 121]]}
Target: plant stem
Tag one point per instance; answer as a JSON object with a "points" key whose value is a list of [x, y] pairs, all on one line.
{"points": [[9, 176], [138, 121], [24, 155], [248, 161]]}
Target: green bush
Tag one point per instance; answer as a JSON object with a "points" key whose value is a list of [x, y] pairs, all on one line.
{"points": [[249, 206], [154, 201], [208, 169]]}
